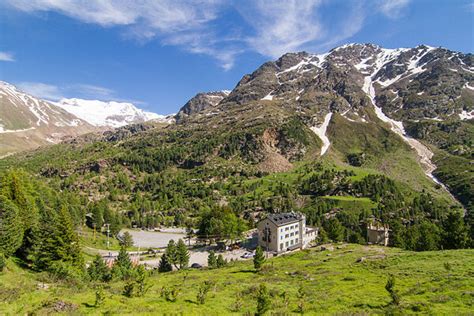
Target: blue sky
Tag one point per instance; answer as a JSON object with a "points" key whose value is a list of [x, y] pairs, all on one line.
{"points": [[159, 53]]}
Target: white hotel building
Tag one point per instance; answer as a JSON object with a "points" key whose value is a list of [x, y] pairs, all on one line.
{"points": [[283, 232]]}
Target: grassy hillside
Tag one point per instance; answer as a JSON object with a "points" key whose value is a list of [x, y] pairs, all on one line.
{"points": [[334, 281]]}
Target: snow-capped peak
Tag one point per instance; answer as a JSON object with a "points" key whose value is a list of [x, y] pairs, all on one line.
{"points": [[107, 113]]}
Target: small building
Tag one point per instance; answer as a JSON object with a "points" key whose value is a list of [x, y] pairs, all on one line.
{"points": [[377, 233], [284, 231]]}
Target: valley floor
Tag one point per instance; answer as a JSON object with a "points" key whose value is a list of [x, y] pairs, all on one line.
{"points": [[345, 279]]}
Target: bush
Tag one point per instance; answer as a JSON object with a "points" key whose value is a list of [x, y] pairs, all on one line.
{"points": [[202, 292], [170, 293], [3, 262], [390, 287], [64, 271], [263, 300], [99, 296]]}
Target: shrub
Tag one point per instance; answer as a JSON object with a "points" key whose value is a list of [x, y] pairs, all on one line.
{"points": [[263, 300], [3, 262], [170, 293], [202, 292], [99, 296], [390, 287]]}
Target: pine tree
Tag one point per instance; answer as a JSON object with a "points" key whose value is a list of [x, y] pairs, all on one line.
{"points": [[165, 265], [263, 300], [141, 276], [259, 258], [456, 233], [182, 254], [212, 260], [126, 240], [11, 232], [70, 250], [334, 229], [123, 265], [171, 253], [98, 216], [220, 261], [98, 270]]}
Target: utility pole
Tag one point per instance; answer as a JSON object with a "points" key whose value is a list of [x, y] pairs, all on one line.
{"points": [[108, 230]]}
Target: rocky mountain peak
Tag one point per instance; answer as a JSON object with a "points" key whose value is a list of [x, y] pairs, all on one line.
{"points": [[200, 102]]}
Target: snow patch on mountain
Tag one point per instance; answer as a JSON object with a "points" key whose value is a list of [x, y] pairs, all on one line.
{"points": [[111, 113], [423, 152], [44, 112], [321, 133], [464, 115]]}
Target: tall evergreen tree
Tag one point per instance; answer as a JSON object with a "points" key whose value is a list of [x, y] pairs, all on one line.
{"points": [[98, 270], [334, 229], [11, 232], [123, 265], [259, 258], [171, 253], [182, 255], [212, 260], [55, 240], [165, 265], [220, 261], [456, 233]]}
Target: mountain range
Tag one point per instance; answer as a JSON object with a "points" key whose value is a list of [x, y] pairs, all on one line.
{"points": [[403, 112], [27, 122]]}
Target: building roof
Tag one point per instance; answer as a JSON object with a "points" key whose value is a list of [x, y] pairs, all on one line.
{"points": [[284, 218]]}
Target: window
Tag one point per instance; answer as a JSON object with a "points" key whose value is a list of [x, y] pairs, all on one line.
{"points": [[286, 244], [292, 242], [281, 237], [296, 240], [292, 234], [291, 227], [281, 246], [287, 228], [286, 236], [296, 226]]}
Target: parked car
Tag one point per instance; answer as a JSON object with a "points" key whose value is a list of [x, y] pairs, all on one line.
{"points": [[248, 255], [196, 266]]}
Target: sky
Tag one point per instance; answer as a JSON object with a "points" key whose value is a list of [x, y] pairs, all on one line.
{"points": [[157, 54]]}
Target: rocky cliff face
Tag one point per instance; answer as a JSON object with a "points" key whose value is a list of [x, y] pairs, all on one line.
{"points": [[200, 102]]}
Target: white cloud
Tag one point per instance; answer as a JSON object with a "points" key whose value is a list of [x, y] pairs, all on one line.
{"points": [[77, 90], [41, 90], [283, 26], [269, 27], [4, 56], [91, 90], [393, 8]]}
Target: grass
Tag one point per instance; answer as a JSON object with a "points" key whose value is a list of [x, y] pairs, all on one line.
{"points": [[351, 203], [334, 281]]}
